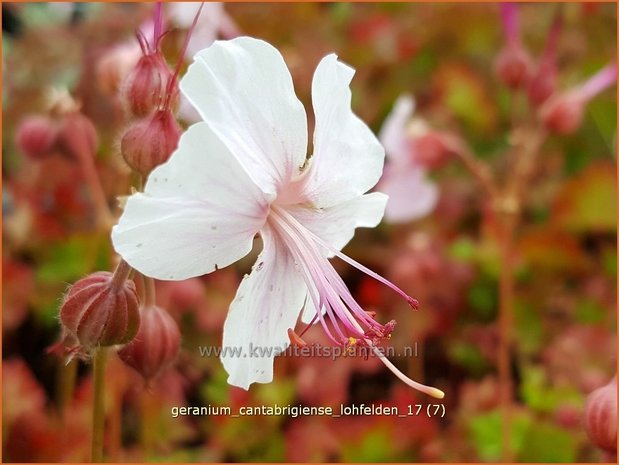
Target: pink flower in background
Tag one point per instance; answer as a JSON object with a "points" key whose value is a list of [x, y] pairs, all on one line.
{"points": [[244, 171], [213, 23], [411, 194]]}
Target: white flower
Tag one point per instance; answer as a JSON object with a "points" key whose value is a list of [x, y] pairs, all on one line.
{"points": [[244, 170], [411, 194]]}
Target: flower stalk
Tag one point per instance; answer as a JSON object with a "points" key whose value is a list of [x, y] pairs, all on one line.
{"points": [[506, 203], [506, 321], [98, 411], [67, 374]]}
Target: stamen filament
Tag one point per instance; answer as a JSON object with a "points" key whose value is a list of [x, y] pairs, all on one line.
{"points": [[411, 301], [334, 296]]}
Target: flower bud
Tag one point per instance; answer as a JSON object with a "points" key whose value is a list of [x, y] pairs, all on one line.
{"points": [[101, 310], [542, 85], [513, 66], [563, 113], [432, 149], [77, 136], [601, 416], [150, 142], [156, 345], [35, 136], [145, 87]]}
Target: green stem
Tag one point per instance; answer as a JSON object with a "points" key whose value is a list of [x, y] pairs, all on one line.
{"points": [[98, 416], [67, 374], [104, 217], [149, 292], [146, 421]]}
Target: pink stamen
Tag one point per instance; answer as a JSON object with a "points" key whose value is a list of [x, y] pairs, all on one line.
{"points": [[334, 297], [550, 50], [315, 275], [414, 303]]}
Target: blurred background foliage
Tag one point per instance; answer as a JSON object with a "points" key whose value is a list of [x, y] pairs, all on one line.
{"points": [[566, 267]]}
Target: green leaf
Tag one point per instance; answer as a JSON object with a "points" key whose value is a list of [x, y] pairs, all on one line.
{"points": [[528, 326], [588, 202], [462, 249], [589, 312], [545, 442], [375, 447], [485, 431], [542, 397], [72, 259], [483, 299], [469, 357]]}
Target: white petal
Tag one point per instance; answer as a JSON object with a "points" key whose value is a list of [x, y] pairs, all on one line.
{"points": [[348, 159], [266, 305], [411, 195], [244, 91], [393, 133], [199, 212], [336, 225]]}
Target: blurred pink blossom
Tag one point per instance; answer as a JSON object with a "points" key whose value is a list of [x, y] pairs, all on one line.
{"points": [[214, 23], [411, 194]]}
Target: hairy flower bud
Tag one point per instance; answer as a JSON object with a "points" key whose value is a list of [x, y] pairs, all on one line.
{"points": [[563, 113], [145, 87], [150, 142], [513, 66], [101, 310], [156, 345], [35, 136], [601, 416], [77, 136]]}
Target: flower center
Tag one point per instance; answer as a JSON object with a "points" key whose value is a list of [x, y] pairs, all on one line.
{"points": [[342, 318]]}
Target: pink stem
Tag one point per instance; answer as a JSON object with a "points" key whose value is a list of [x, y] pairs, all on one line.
{"points": [[550, 50], [157, 23], [179, 63], [509, 19]]}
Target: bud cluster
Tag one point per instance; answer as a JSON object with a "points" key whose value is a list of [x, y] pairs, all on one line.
{"points": [[561, 112], [149, 93], [64, 129]]}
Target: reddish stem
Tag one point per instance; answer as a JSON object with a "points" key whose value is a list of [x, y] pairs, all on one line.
{"points": [[506, 298], [121, 273]]}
